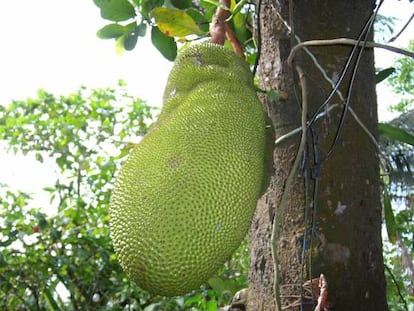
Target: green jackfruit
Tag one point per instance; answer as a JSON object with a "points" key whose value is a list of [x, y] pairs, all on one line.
{"points": [[185, 197]]}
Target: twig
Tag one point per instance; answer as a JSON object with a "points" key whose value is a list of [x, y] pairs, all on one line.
{"points": [[364, 128], [362, 43], [299, 129], [402, 29], [277, 220], [323, 294], [346, 41], [320, 68], [237, 48], [354, 115], [397, 286], [259, 37], [341, 97]]}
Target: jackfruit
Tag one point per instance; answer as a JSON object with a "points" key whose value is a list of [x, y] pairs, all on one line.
{"points": [[185, 197]]}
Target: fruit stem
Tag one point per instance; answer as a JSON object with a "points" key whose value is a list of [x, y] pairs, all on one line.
{"points": [[219, 29], [217, 26]]}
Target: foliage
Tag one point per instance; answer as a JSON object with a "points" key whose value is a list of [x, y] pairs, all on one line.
{"points": [[398, 162], [396, 145], [402, 81], [66, 260], [169, 19], [383, 27], [73, 247]]}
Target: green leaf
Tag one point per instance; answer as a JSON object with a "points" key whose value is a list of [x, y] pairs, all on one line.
{"points": [[193, 299], [221, 285], [7, 242], [111, 31], [396, 133], [49, 189], [182, 4], [39, 157], [50, 299], [116, 10], [199, 18], [41, 219], [61, 162], [211, 305], [130, 40], [119, 46], [175, 23], [166, 45], [239, 23], [131, 36], [273, 95], [141, 29], [127, 40], [237, 8], [389, 218], [383, 74], [209, 3]]}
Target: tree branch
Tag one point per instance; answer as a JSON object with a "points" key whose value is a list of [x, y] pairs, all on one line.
{"points": [[237, 48], [345, 41], [402, 29]]}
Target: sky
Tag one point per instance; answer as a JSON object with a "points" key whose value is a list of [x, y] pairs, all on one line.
{"points": [[52, 44]]}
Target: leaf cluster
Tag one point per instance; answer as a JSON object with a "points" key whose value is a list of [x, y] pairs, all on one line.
{"points": [[66, 261], [402, 82], [396, 144], [171, 22]]}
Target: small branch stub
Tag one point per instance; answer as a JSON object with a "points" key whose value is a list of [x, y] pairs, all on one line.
{"points": [[217, 26], [220, 30]]}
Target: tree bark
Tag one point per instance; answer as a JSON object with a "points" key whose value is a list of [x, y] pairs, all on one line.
{"points": [[340, 193]]}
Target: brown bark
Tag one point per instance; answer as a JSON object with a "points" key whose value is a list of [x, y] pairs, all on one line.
{"points": [[346, 245]]}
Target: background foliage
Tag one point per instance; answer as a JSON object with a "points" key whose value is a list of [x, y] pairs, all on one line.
{"points": [[403, 82], [66, 261], [398, 168]]}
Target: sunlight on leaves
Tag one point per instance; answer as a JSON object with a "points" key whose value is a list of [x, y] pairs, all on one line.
{"points": [[175, 23]]}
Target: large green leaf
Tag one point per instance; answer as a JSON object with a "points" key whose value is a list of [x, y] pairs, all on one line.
{"points": [[126, 38], [147, 6], [389, 217], [130, 40], [222, 285], [111, 31], [116, 10], [166, 45], [51, 300], [396, 133], [175, 23], [239, 23], [384, 74], [182, 4], [141, 29]]}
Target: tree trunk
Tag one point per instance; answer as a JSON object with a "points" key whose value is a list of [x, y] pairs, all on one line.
{"points": [[332, 219]]}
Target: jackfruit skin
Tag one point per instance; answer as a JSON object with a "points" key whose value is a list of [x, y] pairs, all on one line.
{"points": [[185, 197]]}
